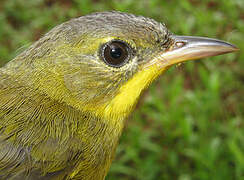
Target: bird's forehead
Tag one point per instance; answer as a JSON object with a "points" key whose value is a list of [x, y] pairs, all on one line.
{"points": [[119, 24]]}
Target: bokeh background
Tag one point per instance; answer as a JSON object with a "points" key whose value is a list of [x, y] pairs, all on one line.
{"points": [[190, 123]]}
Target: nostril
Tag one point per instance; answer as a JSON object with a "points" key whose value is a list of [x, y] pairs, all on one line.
{"points": [[179, 44]]}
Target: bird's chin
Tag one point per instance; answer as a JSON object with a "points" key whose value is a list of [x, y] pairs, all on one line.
{"points": [[186, 48]]}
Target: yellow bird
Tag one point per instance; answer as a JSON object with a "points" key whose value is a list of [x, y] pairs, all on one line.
{"points": [[64, 100]]}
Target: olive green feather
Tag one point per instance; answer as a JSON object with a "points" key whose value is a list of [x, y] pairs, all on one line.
{"points": [[47, 130]]}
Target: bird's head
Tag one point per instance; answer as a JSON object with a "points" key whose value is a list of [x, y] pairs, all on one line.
{"points": [[102, 62]]}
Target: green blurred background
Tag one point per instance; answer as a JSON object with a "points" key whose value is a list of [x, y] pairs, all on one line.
{"points": [[190, 124]]}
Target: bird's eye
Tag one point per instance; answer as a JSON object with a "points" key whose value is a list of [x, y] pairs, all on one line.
{"points": [[115, 53]]}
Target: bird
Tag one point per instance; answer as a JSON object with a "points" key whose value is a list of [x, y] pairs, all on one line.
{"points": [[65, 99]]}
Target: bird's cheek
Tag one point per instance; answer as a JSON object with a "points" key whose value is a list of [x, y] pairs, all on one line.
{"points": [[72, 82]]}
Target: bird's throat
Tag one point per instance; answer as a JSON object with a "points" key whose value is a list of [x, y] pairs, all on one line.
{"points": [[124, 102]]}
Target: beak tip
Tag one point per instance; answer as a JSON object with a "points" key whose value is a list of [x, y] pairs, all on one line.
{"points": [[234, 48], [231, 47]]}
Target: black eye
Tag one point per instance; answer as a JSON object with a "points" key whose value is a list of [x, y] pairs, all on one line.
{"points": [[115, 53]]}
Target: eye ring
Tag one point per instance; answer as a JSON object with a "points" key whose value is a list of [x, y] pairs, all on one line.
{"points": [[115, 53]]}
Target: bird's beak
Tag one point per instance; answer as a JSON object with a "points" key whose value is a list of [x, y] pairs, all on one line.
{"points": [[189, 48]]}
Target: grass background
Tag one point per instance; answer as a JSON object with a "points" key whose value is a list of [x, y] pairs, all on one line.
{"points": [[190, 123]]}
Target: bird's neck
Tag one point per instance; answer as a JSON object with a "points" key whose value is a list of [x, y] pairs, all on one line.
{"points": [[41, 120]]}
